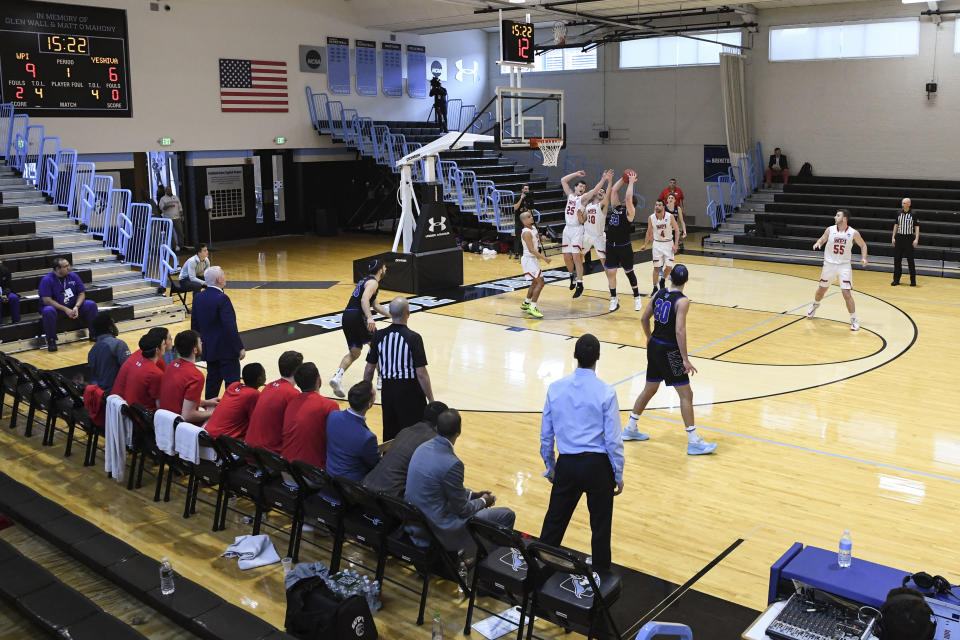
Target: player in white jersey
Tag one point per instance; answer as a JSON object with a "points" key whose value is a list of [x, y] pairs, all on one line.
{"points": [[530, 261], [663, 233], [837, 242], [574, 216], [594, 223]]}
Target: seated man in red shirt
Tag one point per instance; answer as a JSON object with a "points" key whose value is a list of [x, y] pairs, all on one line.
{"points": [[232, 417], [305, 420], [156, 334], [143, 380], [266, 423], [182, 385]]}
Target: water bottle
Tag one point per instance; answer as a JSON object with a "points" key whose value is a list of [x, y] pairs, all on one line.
{"points": [[437, 626], [377, 600], [845, 554], [166, 578]]}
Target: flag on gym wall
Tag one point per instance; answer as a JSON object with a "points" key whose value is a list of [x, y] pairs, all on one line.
{"points": [[253, 86]]}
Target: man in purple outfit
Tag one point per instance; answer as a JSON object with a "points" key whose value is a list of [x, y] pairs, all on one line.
{"points": [[62, 295]]}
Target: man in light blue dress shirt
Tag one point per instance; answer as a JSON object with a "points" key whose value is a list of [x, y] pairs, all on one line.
{"points": [[582, 415]]}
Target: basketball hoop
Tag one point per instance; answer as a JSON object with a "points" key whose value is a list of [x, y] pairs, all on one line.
{"points": [[559, 32], [549, 148]]}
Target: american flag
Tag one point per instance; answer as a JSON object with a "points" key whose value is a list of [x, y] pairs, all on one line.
{"points": [[253, 86]]}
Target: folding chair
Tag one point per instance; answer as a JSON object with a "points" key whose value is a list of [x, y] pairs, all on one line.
{"points": [[426, 561], [365, 520], [178, 290], [281, 492], [503, 568], [143, 443], [240, 475], [322, 505], [573, 596], [209, 471]]}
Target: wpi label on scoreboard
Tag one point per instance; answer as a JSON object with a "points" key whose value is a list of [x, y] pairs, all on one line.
{"points": [[64, 60]]}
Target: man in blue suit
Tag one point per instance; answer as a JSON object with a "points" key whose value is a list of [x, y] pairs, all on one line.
{"points": [[214, 319], [435, 486]]}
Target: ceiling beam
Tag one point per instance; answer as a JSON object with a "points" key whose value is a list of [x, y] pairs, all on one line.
{"points": [[552, 9]]}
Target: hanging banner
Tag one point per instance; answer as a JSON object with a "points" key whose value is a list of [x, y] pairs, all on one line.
{"points": [[366, 67], [716, 161], [416, 71], [338, 65], [392, 61]]}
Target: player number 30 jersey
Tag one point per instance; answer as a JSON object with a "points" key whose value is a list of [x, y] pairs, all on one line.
{"points": [[839, 246]]}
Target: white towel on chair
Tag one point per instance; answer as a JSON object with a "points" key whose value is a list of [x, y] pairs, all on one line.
{"points": [[117, 433], [163, 427], [187, 445], [252, 551]]}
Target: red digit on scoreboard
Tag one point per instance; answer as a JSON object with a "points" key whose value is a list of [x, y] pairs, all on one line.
{"points": [[19, 92], [112, 74], [31, 69], [523, 46]]}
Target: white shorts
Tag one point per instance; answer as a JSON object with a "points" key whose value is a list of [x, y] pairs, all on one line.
{"points": [[596, 241], [663, 253], [572, 239], [531, 267], [840, 272]]}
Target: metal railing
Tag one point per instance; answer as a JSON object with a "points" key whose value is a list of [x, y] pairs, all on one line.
{"points": [[346, 123], [159, 260], [6, 120], [396, 149], [445, 169], [134, 231], [65, 174], [84, 171], [116, 213], [99, 213], [18, 125], [335, 118], [466, 191]]}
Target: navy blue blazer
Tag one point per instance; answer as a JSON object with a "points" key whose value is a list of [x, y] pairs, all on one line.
{"points": [[214, 319]]}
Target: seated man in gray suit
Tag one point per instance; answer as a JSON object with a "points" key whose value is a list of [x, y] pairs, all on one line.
{"points": [[435, 486], [390, 476]]}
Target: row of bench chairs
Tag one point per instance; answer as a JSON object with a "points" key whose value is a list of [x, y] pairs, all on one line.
{"points": [[346, 509]]}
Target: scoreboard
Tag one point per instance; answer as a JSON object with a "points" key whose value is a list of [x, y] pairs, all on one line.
{"points": [[517, 42], [64, 60]]}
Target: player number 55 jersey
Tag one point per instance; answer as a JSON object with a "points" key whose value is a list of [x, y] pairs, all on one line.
{"points": [[839, 246], [574, 205]]}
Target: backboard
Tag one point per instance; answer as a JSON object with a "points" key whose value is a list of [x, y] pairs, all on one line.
{"points": [[528, 113]]}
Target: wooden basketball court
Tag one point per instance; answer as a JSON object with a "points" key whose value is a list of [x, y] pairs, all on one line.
{"points": [[819, 429]]}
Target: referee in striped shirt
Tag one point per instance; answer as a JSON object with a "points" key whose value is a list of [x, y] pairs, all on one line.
{"points": [[398, 353], [906, 236]]}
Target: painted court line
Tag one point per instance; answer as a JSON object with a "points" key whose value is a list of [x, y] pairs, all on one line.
{"points": [[732, 335], [798, 447]]}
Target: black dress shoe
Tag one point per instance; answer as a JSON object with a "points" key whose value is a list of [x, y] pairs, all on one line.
{"points": [[51, 346], [894, 283], [913, 284]]}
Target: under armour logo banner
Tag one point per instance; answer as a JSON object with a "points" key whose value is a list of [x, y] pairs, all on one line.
{"points": [[472, 71], [435, 224]]}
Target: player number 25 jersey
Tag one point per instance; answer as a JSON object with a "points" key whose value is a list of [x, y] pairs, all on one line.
{"points": [[574, 205], [839, 246]]}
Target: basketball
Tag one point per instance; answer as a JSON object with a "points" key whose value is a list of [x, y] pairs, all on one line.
{"points": [[629, 173]]}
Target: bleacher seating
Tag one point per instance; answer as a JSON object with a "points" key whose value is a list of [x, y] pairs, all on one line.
{"points": [[51, 205], [490, 208], [799, 214]]}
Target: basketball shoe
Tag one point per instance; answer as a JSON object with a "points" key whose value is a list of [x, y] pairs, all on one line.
{"points": [[813, 310]]}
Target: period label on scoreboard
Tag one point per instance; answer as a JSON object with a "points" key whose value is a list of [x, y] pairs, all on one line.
{"points": [[64, 60]]}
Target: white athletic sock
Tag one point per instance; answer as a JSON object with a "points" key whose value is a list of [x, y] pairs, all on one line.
{"points": [[527, 301], [339, 373], [853, 317], [692, 435], [533, 304], [632, 422]]}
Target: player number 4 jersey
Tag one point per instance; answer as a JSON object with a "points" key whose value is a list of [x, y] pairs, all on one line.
{"points": [[839, 246], [662, 229], [573, 207]]}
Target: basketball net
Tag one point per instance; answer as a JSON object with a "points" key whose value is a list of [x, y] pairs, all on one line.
{"points": [[549, 149], [559, 33]]}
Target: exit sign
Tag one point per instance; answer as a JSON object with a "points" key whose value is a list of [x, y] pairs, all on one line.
{"points": [[166, 142], [280, 140]]}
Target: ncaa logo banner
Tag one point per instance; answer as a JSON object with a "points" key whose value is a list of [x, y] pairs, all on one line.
{"points": [[313, 58]]}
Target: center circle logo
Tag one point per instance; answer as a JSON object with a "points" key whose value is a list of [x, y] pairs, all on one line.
{"points": [[313, 58]]}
